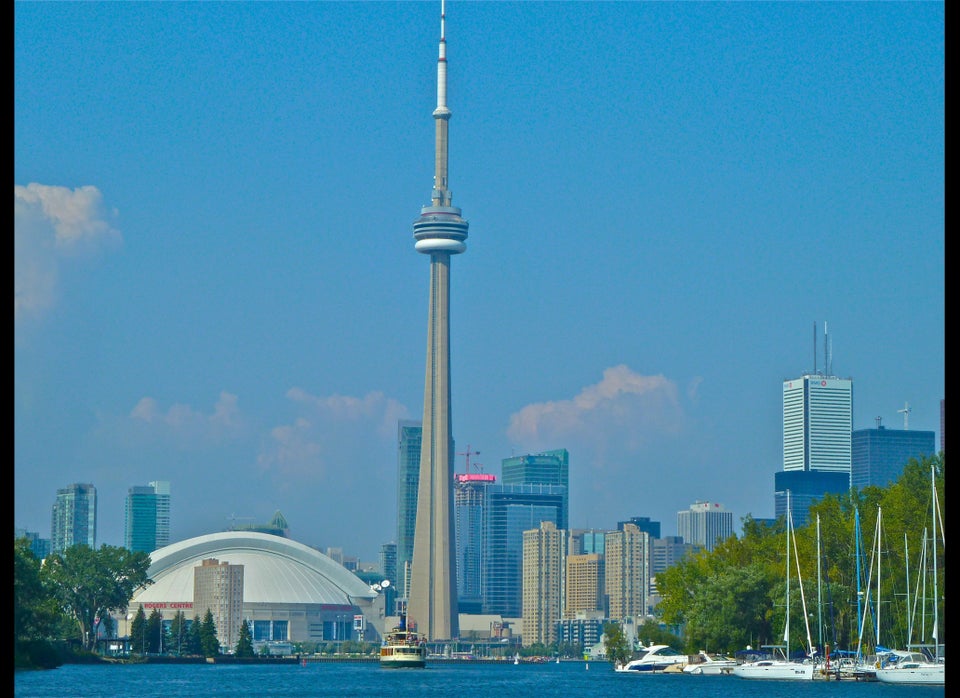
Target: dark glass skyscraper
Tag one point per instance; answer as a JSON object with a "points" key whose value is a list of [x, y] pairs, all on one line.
{"points": [[147, 517], [409, 435], [879, 455], [509, 511]]}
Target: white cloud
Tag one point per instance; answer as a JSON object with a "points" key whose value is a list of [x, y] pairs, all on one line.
{"points": [[334, 434], [186, 427], [621, 413], [51, 225]]}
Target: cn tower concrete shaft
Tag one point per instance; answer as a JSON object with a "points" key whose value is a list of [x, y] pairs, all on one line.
{"points": [[440, 232]]}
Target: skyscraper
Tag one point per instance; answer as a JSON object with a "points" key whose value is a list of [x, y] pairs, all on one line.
{"points": [[817, 430], [510, 510], [441, 233], [409, 434], [705, 524], [74, 517], [469, 498], [817, 423], [627, 572], [544, 560], [147, 517], [879, 455], [218, 588]]}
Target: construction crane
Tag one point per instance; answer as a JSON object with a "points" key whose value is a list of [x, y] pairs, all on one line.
{"points": [[906, 415], [469, 453]]}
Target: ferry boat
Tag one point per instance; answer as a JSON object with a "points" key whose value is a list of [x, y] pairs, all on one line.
{"points": [[403, 647]]}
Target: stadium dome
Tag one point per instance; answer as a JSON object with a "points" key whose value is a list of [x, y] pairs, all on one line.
{"points": [[290, 592]]}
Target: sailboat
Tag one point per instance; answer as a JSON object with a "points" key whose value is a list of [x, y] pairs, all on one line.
{"points": [[916, 667], [781, 667]]}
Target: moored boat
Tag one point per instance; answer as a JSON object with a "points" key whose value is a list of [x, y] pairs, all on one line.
{"points": [[655, 658], [703, 664], [911, 668], [403, 647]]}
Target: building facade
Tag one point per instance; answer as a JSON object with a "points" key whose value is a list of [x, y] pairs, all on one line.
{"points": [[409, 434], [508, 512], [147, 517], [544, 553], [585, 586], [546, 468], [879, 455], [627, 577], [802, 490], [74, 517], [817, 424], [705, 524], [218, 588], [468, 502]]}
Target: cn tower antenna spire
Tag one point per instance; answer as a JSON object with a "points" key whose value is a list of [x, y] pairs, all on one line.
{"points": [[441, 195]]}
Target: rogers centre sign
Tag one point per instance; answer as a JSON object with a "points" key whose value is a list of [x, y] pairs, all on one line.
{"points": [[168, 604]]}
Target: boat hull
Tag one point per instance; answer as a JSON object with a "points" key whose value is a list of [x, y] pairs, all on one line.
{"points": [[930, 674], [775, 670], [400, 657]]}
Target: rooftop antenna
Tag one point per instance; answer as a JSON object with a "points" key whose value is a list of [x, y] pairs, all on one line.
{"points": [[814, 347], [906, 415], [877, 419], [826, 351]]}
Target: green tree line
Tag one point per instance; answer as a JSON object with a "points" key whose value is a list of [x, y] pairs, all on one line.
{"points": [[734, 596]]}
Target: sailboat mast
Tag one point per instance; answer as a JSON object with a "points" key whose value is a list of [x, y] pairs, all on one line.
{"points": [[786, 625], [879, 516], [935, 506]]}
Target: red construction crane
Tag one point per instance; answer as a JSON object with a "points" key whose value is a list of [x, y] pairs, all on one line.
{"points": [[469, 453]]}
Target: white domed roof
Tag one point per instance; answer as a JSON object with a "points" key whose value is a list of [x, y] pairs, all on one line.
{"points": [[275, 570]]}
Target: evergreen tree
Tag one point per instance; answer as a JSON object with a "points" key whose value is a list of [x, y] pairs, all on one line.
{"points": [[179, 640], [208, 636], [138, 633], [245, 641], [195, 638], [155, 642]]}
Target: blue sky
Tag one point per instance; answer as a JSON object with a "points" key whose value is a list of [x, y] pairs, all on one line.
{"points": [[216, 285]]}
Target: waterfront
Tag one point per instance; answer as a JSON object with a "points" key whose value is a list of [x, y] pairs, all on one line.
{"points": [[480, 680]]}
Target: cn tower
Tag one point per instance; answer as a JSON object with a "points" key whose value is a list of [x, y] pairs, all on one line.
{"points": [[439, 232]]}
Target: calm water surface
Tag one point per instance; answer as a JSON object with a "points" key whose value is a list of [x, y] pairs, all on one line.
{"points": [[567, 679]]}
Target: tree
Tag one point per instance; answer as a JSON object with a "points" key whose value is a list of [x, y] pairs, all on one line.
{"points": [[36, 614], [195, 637], [155, 639], [210, 645], [179, 642], [244, 642], [616, 643], [89, 584], [138, 633]]}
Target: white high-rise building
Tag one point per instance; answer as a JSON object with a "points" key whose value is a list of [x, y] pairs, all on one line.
{"points": [[817, 424], [705, 524]]}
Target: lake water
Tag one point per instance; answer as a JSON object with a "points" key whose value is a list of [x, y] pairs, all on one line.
{"points": [[567, 679]]}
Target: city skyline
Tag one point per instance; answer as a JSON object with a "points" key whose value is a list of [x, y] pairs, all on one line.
{"points": [[215, 286]]}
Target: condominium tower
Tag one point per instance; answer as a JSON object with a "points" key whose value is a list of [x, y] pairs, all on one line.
{"points": [[440, 232], [544, 553], [74, 517], [147, 517]]}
